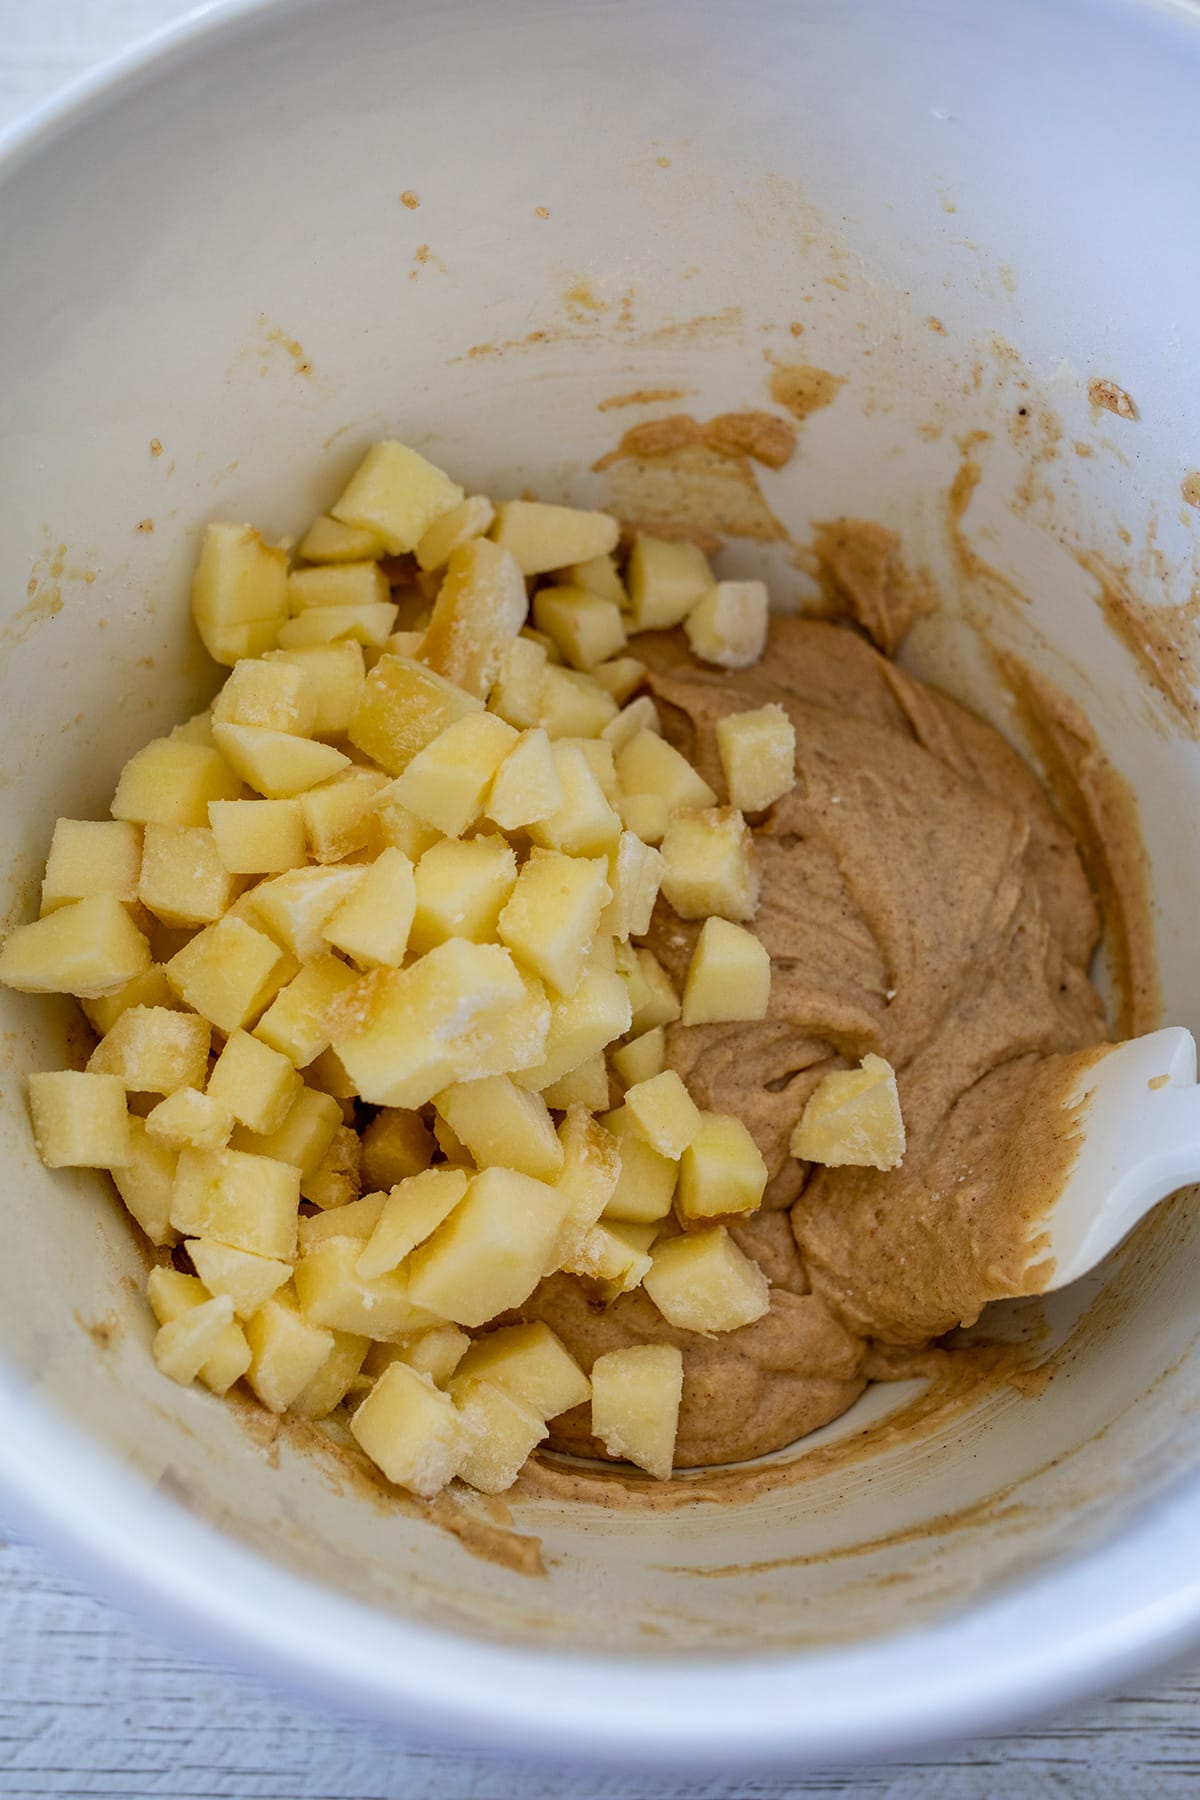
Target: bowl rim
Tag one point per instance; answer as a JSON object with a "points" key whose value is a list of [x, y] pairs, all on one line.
{"points": [[145, 1550]]}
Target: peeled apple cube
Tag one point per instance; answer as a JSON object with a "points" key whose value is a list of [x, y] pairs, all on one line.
{"points": [[401, 707], [185, 1344], [258, 837], [585, 823], [663, 1112], [327, 540], [89, 857], [171, 1295], [286, 1351], [227, 972], [411, 1213], [646, 1186], [371, 926], [641, 1057], [189, 1119], [297, 1022], [530, 1362], [588, 1019], [552, 917], [451, 530], [248, 1202], [336, 672], [517, 695], [354, 584], [396, 495], [296, 906], [154, 1050], [853, 1119], [256, 1085], [80, 1121], [635, 1405], [276, 763], [332, 1381], [721, 1171], [183, 879], [586, 628], [277, 695], [340, 815], [501, 1124], [446, 783], [248, 1280], [332, 1293], [490, 1253], [544, 537], [709, 865], [479, 611], [88, 948], [729, 976], [703, 1282], [526, 788], [460, 888], [590, 1172], [665, 581], [729, 625], [239, 592], [412, 1431], [171, 781], [758, 754], [146, 1181], [501, 1429]]}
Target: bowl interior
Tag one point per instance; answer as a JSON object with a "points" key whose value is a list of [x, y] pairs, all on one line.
{"points": [[221, 294]]}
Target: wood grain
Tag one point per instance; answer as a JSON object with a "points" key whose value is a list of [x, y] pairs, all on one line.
{"points": [[92, 1705]]}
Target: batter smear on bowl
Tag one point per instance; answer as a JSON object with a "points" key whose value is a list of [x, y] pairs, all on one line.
{"points": [[547, 999]]}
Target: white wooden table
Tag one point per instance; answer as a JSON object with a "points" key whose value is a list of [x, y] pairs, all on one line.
{"points": [[92, 1705]]}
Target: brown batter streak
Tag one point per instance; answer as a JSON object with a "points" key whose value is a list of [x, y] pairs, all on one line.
{"points": [[804, 389]]}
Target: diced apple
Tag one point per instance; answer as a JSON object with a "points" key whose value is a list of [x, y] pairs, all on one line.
{"points": [[703, 1282], [80, 1121], [412, 1431], [590, 1171], [501, 1432], [598, 575], [607, 1256], [226, 973], [353, 584], [276, 695], [641, 1058], [635, 875], [758, 754], [442, 1020], [853, 1119], [585, 1085], [646, 1184], [640, 715], [664, 1113], [517, 695], [258, 837], [586, 1020], [89, 857], [656, 783], [721, 1171], [171, 1295], [728, 626], [526, 788], [532, 1364], [155, 1050], [402, 707], [490, 1253], [461, 887], [552, 917], [502, 1124], [297, 1023], [329, 541], [655, 1001], [665, 581], [248, 1202], [622, 677], [357, 1219], [196, 730], [89, 947], [287, 1350], [413, 1211], [402, 829], [480, 608], [189, 1119], [435, 1353], [297, 906], [332, 1293], [333, 1380], [183, 879], [573, 705], [371, 927], [150, 988], [248, 1280], [729, 976], [239, 592], [370, 623], [276, 763], [585, 824], [709, 865], [635, 1404], [340, 817], [185, 1344], [337, 673], [544, 537], [451, 530], [146, 1182], [312, 1122], [396, 494], [395, 1144], [587, 628], [256, 1085], [447, 782], [170, 782], [337, 1178]]}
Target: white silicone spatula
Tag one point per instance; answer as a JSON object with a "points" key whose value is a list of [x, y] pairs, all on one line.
{"points": [[1139, 1117]]}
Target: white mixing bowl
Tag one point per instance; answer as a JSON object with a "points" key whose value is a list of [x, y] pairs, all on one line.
{"points": [[971, 207]]}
